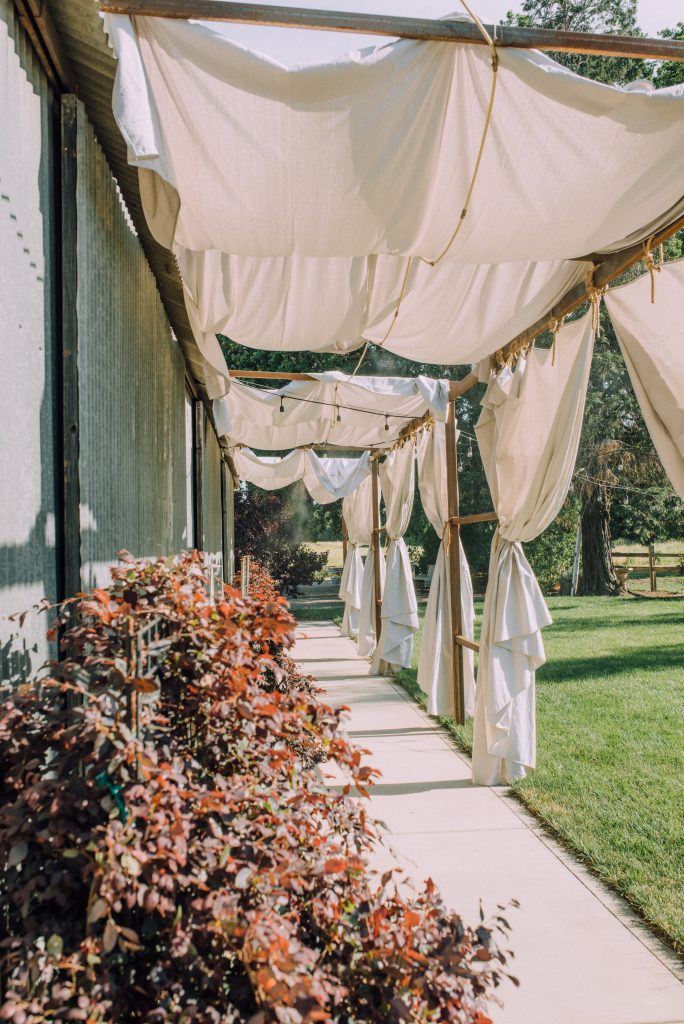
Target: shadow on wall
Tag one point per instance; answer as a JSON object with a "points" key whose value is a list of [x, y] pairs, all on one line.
{"points": [[29, 563]]}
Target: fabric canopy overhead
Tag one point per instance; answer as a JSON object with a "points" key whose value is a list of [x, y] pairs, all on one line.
{"points": [[310, 411], [651, 336], [528, 433], [326, 480], [293, 199]]}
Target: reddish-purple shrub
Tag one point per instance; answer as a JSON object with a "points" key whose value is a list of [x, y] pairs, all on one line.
{"points": [[177, 860]]}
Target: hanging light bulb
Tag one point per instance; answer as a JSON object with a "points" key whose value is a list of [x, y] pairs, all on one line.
{"points": [[386, 423], [339, 418], [282, 407], [460, 465], [470, 449]]}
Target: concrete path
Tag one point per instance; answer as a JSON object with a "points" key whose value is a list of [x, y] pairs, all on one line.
{"points": [[579, 958]]}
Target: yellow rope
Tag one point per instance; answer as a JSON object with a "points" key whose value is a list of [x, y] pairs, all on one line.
{"points": [[651, 265], [402, 293], [485, 131]]}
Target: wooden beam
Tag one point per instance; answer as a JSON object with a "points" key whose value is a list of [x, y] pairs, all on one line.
{"points": [[375, 541], [406, 28], [270, 375], [37, 21], [463, 641], [478, 517], [456, 387], [459, 387], [453, 543], [607, 270]]}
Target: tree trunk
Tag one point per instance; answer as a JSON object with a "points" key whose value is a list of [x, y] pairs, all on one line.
{"points": [[598, 571]]}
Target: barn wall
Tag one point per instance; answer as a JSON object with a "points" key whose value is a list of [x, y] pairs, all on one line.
{"points": [[96, 424], [133, 472], [29, 563]]}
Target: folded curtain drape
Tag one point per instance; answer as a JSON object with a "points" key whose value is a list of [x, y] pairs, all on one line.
{"points": [[326, 479], [436, 660], [288, 244], [399, 605], [367, 632], [528, 433], [651, 337], [357, 511]]}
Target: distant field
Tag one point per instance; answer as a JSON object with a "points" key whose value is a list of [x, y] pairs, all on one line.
{"points": [[334, 550]]}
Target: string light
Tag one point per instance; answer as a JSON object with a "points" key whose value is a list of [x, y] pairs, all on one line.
{"points": [[282, 407], [386, 423]]}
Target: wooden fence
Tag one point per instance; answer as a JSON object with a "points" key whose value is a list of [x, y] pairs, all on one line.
{"points": [[646, 563]]}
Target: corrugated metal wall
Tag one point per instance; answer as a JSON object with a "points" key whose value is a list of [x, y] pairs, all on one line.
{"points": [[137, 467], [133, 472], [28, 411]]}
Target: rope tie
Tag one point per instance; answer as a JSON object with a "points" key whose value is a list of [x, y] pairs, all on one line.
{"points": [[651, 265], [491, 42], [483, 139]]}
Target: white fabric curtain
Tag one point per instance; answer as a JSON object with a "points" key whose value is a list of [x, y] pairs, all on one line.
{"points": [[228, 146], [326, 479], [651, 336], [357, 510], [399, 605], [367, 633], [331, 409], [528, 432], [269, 472], [436, 660]]}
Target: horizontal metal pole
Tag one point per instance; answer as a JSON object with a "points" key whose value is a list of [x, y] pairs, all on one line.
{"points": [[432, 29]]}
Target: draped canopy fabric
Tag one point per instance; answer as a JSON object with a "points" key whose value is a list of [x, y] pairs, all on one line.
{"points": [[332, 409], [436, 660], [293, 199], [399, 605], [528, 434], [651, 336], [326, 480]]}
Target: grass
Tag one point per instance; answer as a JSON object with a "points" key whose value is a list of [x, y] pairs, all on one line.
{"points": [[610, 734], [610, 738]]}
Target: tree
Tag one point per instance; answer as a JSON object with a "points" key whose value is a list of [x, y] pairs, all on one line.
{"points": [[269, 526], [670, 72], [617, 17], [616, 458]]}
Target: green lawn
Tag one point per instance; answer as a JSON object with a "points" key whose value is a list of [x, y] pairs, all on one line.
{"points": [[610, 717]]}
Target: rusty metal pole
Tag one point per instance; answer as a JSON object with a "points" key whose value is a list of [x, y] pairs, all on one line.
{"points": [[375, 541], [453, 544]]}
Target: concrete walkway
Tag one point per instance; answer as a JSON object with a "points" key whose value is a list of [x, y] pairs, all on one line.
{"points": [[579, 958]]}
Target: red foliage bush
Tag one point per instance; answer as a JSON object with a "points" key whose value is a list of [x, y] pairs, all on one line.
{"points": [[194, 869]]}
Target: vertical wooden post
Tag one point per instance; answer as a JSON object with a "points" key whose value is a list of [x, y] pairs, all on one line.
{"points": [[652, 568], [344, 540], [375, 541], [197, 467], [68, 364], [244, 575], [453, 543]]}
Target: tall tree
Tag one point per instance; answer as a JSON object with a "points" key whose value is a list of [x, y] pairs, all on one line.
{"points": [[619, 478]]}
